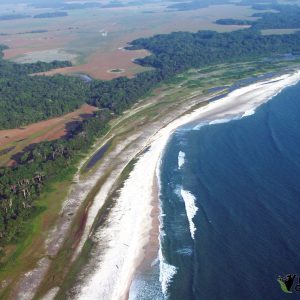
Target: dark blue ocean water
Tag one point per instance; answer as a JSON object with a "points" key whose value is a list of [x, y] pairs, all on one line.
{"points": [[245, 177]]}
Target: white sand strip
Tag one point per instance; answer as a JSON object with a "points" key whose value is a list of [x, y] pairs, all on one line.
{"points": [[125, 236]]}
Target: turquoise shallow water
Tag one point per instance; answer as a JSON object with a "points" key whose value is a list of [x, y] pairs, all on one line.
{"points": [[240, 187]]}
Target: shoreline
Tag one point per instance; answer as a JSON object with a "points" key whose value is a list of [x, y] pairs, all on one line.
{"points": [[131, 223], [88, 192]]}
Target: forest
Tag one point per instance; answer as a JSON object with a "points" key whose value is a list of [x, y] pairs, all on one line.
{"points": [[26, 99], [287, 16], [32, 98], [38, 16], [178, 51]]}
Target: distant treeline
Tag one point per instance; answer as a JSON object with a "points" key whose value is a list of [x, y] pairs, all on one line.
{"points": [[33, 31], [72, 6], [29, 99], [13, 17], [39, 16], [197, 4], [284, 17], [56, 14]]}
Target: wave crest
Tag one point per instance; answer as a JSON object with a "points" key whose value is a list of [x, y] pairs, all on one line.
{"points": [[191, 209], [166, 273]]}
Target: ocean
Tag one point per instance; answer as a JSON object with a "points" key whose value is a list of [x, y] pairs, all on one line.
{"points": [[230, 201]]}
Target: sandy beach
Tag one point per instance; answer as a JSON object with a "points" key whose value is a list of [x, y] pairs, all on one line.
{"points": [[130, 235]]}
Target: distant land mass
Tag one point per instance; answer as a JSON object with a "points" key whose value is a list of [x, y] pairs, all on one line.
{"points": [[51, 15]]}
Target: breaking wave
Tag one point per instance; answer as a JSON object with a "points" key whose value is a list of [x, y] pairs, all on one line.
{"points": [[191, 209], [166, 271], [248, 113], [166, 274]]}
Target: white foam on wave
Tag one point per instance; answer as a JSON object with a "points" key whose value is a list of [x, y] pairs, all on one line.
{"points": [[214, 122], [246, 100], [166, 274], [191, 209], [166, 271], [177, 191], [181, 159], [220, 121], [199, 126], [248, 113]]}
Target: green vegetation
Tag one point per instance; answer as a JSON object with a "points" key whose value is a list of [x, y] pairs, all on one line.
{"points": [[287, 16], [67, 250], [123, 91], [42, 164], [283, 286], [27, 99], [178, 51]]}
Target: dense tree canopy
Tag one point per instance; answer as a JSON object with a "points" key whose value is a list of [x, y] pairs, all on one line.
{"points": [[287, 16], [178, 51], [26, 99]]}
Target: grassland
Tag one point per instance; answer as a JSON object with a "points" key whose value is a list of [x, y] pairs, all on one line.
{"points": [[94, 38]]}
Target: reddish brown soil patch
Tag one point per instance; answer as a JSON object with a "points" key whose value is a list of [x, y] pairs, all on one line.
{"points": [[47, 130], [21, 46], [100, 64]]}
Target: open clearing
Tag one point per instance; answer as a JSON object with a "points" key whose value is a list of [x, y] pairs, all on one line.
{"points": [[46, 56], [13, 141]]}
